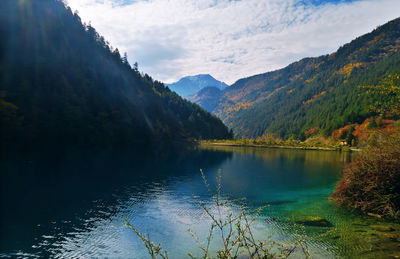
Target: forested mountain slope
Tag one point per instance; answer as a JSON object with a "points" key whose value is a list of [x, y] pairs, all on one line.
{"points": [[61, 83], [207, 97], [322, 92]]}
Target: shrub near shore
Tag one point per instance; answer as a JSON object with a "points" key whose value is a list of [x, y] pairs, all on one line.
{"points": [[372, 182]]}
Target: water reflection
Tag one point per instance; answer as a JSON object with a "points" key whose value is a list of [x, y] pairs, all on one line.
{"points": [[72, 204], [49, 196]]}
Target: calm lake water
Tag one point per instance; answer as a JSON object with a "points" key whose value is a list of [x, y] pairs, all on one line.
{"points": [[72, 204]]}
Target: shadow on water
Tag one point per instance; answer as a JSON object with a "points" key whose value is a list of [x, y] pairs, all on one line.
{"points": [[39, 189]]}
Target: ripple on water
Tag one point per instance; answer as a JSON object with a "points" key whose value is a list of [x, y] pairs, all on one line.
{"points": [[294, 183]]}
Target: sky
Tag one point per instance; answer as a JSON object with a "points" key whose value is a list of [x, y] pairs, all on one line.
{"points": [[229, 39]]}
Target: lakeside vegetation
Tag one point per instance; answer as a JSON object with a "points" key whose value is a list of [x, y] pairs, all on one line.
{"points": [[371, 183], [277, 143], [352, 137]]}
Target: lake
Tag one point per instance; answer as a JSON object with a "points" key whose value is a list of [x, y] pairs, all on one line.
{"points": [[72, 204]]}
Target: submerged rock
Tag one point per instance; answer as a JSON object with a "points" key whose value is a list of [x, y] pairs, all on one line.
{"points": [[382, 228], [360, 230], [374, 215], [360, 223], [314, 221], [392, 236]]}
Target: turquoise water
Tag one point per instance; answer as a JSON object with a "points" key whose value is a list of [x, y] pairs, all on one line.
{"points": [[72, 204]]}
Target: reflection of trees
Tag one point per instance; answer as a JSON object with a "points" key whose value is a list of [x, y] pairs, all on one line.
{"points": [[310, 157], [56, 185]]}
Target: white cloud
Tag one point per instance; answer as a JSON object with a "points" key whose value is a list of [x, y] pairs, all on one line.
{"points": [[229, 39]]}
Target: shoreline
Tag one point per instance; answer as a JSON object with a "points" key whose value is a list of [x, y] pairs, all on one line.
{"points": [[202, 143]]}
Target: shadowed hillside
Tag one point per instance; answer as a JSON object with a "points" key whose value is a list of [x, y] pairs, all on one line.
{"points": [[61, 83], [207, 98]]}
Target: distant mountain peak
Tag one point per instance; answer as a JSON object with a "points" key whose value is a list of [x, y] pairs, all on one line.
{"points": [[190, 85]]}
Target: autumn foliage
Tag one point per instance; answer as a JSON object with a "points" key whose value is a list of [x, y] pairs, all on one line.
{"points": [[372, 182], [362, 132], [311, 131]]}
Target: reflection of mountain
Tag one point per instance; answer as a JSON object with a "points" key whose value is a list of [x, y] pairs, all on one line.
{"points": [[62, 84], [192, 84], [320, 93]]}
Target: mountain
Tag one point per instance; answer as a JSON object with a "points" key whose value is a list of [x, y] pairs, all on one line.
{"points": [[62, 84], [321, 93], [190, 85], [207, 97]]}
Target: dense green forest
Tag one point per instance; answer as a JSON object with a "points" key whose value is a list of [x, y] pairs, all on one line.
{"points": [[61, 83], [323, 93]]}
